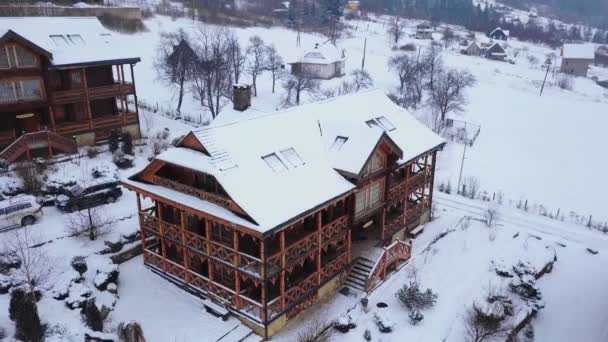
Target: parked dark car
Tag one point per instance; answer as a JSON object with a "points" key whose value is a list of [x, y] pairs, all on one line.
{"points": [[77, 197]]}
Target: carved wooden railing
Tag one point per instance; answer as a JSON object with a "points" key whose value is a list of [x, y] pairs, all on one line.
{"points": [[414, 182], [295, 293], [150, 222], [334, 230], [393, 224], [251, 307], [396, 192], [302, 248], [414, 212], [274, 307], [395, 252], [201, 194], [76, 95], [329, 271], [35, 140]]}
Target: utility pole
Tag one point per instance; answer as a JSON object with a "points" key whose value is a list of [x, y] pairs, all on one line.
{"points": [[464, 153], [545, 80], [364, 51]]}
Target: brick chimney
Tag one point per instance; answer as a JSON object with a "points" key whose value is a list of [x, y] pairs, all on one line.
{"points": [[241, 96]]}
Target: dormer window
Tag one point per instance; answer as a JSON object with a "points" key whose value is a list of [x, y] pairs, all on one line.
{"points": [[76, 39], [276, 164], [381, 122], [338, 143], [59, 39], [292, 157]]}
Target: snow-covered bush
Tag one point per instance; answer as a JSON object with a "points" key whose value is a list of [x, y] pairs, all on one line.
{"points": [[79, 264], [486, 322], [414, 299], [61, 287], [384, 324], [344, 324], [415, 317], [27, 322], [92, 316], [127, 143], [106, 273], [367, 335], [8, 261], [92, 152], [316, 332], [565, 82], [122, 160], [90, 223], [527, 334], [113, 141], [2, 334], [78, 294], [130, 332]]}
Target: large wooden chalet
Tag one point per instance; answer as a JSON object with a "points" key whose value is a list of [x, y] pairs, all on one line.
{"points": [[266, 216], [62, 84]]}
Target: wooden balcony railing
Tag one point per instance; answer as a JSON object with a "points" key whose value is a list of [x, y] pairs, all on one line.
{"points": [[296, 292], [329, 270], [414, 212], [100, 122], [416, 181], [396, 192], [398, 251], [393, 224], [201, 194], [77, 95]]}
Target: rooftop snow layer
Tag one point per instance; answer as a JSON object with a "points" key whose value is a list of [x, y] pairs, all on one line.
{"points": [[71, 40], [321, 54], [578, 51]]}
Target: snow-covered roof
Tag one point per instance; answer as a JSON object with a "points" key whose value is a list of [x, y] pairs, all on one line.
{"points": [[506, 32], [325, 53], [578, 51], [70, 40], [280, 165]]}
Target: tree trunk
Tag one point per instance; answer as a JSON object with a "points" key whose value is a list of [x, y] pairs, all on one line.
{"points": [[181, 95]]}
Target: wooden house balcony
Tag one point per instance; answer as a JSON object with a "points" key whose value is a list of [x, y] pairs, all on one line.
{"points": [[100, 122], [415, 181], [201, 194], [77, 95], [414, 212]]}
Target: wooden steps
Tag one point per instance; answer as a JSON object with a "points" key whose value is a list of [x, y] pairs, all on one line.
{"points": [[36, 140], [359, 274]]}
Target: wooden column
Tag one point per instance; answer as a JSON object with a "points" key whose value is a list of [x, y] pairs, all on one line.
{"points": [[426, 163], [87, 102], [124, 98], [135, 98], [407, 192], [434, 159], [186, 252], [208, 238], [162, 235], [48, 145], [382, 224], [52, 117], [143, 239], [349, 246], [319, 249], [283, 265], [264, 283], [237, 278]]}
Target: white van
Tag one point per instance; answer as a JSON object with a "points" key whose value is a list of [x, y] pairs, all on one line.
{"points": [[19, 210]]}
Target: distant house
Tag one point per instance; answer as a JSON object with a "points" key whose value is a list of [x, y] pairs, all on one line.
{"points": [[576, 59], [499, 34], [533, 13], [325, 61], [494, 51], [472, 50], [352, 7], [424, 31]]}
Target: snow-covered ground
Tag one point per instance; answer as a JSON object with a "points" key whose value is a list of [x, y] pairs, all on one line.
{"points": [[547, 149]]}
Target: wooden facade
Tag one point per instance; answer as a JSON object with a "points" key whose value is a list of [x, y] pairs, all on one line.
{"points": [[81, 103], [268, 278]]}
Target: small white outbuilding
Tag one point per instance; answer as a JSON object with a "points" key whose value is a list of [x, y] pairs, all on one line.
{"points": [[324, 61]]}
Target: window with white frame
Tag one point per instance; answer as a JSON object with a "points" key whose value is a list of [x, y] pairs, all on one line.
{"points": [[292, 157], [369, 197], [76, 39], [338, 143], [24, 58], [31, 89], [13, 91], [385, 123], [59, 39], [273, 161], [7, 92]]}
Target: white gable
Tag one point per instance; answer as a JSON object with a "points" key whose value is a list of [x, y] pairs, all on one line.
{"points": [[71, 40]]}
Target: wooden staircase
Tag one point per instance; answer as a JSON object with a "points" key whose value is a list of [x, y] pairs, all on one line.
{"points": [[359, 274], [36, 140]]}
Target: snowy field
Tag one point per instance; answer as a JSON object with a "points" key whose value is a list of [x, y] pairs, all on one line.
{"points": [[547, 149]]}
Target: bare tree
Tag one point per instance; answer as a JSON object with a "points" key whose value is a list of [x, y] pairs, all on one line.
{"points": [[447, 94], [361, 79], [491, 215], [295, 85], [448, 37], [256, 52], [30, 174], [432, 63], [212, 74], [274, 63], [395, 29], [235, 54], [36, 267], [486, 322], [316, 331], [174, 61], [91, 222], [411, 76]]}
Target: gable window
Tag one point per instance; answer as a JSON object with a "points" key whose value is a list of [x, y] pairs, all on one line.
{"points": [[76, 39], [76, 79], [292, 157], [338, 143], [13, 91], [15, 56], [24, 58], [372, 123], [385, 123], [273, 161], [59, 39], [369, 197], [375, 164]]}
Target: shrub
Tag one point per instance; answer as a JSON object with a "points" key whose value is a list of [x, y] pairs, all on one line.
{"points": [[79, 264], [565, 82], [92, 315], [92, 152], [415, 317], [344, 324], [130, 332], [127, 143], [2, 334], [4, 164], [122, 160], [27, 324], [414, 299], [113, 141], [486, 323], [384, 324], [16, 303], [408, 47], [367, 335], [316, 332], [30, 174]]}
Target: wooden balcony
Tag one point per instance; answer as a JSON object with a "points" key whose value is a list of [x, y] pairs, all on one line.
{"points": [[393, 224], [78, 95], [301, 289], [414, 212], [415, 181], [100, 122], [201, 194], [330, 269]]}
